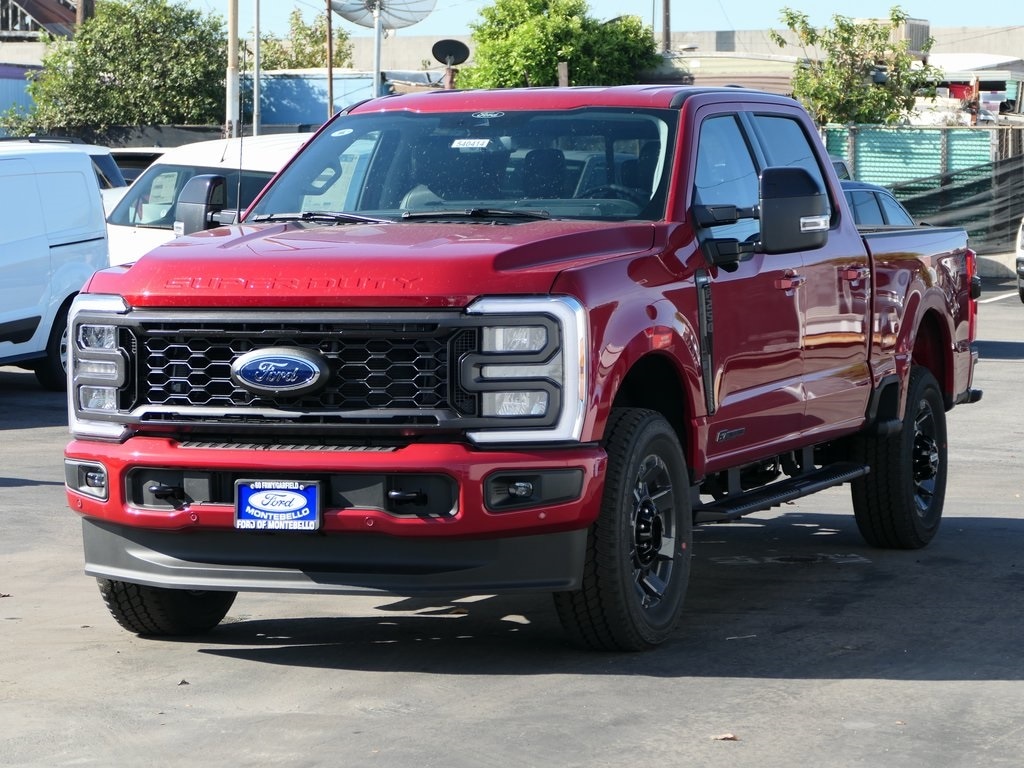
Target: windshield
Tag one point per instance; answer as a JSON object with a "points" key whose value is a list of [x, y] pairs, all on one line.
{"points": [[150, 200], [593, 163]]}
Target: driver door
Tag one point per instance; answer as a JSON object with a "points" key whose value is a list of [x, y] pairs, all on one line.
{"points": [[755, 316]]}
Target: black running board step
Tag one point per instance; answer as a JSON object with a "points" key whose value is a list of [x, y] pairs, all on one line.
{"points": [[777, 493]]}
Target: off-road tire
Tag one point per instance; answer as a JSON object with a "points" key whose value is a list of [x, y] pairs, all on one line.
{"points": [[638, 551], [164, 612], [898, 505]]}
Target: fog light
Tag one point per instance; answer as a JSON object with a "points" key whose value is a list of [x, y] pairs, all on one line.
{"points": [[89, 478], [521, 489], [98, 398], [512, 490]]}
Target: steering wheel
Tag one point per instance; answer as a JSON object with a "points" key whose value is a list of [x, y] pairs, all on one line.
{"points": [[617, 192]]}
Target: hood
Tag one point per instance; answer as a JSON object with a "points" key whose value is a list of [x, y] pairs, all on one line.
{"points": [[404, 264]]}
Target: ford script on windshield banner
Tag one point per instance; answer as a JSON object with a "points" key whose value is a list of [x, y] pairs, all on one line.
{"points": [[277, 505]]}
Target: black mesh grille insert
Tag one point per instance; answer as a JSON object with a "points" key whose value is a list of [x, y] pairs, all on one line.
{"points": [[372, 366]]}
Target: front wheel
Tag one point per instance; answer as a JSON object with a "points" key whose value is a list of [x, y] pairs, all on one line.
{"points": [[638, 551], [156, 611], [898, 505]]}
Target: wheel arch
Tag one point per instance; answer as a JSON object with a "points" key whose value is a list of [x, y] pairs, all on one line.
{"points": [[932, 350], [655, 383]]}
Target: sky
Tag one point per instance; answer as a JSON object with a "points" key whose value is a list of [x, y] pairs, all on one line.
{"points": [[453, 17]]}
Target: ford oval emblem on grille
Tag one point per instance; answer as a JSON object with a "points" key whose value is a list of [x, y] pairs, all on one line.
{"points": [[280, 371]]}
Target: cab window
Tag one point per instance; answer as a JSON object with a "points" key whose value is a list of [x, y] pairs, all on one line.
{"points": [[726, 174]]}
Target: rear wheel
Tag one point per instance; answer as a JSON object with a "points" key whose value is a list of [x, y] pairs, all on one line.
{"points": [[157, 611], [52, 370], [898, 505], [638, 551]]}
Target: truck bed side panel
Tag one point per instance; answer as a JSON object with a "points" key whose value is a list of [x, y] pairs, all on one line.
{"points": [[921, 280]]}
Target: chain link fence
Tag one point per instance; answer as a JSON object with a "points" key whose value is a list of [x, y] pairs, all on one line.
{"points": [[969, 177]]}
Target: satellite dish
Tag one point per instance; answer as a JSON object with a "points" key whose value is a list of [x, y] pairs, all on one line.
{"points": [[393, 14], [451, 53], [380, 15]]}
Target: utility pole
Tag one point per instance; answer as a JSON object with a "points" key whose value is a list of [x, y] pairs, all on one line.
{"points": [[330, 63], [84, 9], [666, 28], [256, 71], [231, 110]]}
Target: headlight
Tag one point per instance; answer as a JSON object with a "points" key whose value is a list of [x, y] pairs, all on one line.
{"points": [[531, 371], [516, 338], [97, 366], [94, 337], [515, 403], [97, 369], [103, 399]]}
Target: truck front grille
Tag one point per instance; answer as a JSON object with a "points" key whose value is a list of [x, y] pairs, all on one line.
{"points": [[385, 366]]}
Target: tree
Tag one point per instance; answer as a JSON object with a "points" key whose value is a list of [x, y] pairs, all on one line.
{"points": [[521, 42], [306, 45], [857, 72], [135, 62]]}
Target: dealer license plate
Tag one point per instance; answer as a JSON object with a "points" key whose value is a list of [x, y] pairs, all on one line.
{"points": [[277, 505]]}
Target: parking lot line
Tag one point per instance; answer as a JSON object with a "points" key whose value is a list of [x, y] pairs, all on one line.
{"points": [[1000, 297]]}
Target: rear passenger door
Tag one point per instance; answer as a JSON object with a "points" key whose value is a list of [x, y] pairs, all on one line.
{"points": [[834, 293]]}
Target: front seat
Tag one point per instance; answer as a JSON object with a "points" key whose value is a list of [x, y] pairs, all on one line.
{"points": [[544, 173]]}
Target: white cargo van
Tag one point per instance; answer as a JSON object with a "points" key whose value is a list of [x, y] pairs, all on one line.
{"points": [[52, 238], [144, 218], [112, 182]]}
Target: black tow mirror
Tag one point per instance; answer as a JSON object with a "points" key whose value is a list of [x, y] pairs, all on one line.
{"points": [[202, 198], [795, 213]]}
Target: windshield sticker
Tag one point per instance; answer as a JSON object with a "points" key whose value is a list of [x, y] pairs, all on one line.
{"points": [[487, 115], [471, 143], [342, 132]]}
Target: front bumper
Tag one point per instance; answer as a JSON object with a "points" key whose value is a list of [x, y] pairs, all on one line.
{"points": [[350, 565], [361, 545]]}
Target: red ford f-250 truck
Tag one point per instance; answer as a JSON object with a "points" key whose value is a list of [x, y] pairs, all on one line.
{"points": [[474, 342]]}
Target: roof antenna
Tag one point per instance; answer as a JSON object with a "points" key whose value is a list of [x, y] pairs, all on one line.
{"points": [[241, 144]]}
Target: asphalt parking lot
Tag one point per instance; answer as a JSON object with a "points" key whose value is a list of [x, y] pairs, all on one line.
{"points": [[802, 646]]}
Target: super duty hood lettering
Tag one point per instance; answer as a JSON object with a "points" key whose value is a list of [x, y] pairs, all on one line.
{"points": [[214, 283]]}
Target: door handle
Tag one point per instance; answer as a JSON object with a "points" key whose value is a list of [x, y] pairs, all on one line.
{"points": [[854, 273], [789, 282]]}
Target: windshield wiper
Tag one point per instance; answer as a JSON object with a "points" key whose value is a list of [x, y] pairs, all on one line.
{"points": [[478, 213], [326, 217]]}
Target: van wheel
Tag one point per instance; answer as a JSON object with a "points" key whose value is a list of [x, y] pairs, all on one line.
{"points": [[898, 505], [52, 370], [156, 611], [638, 551]]}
